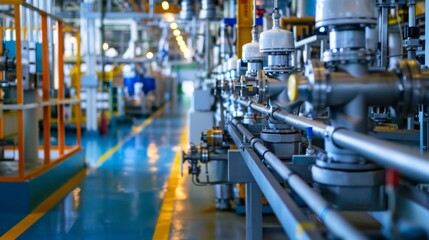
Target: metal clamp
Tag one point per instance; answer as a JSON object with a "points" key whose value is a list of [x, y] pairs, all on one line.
{"points": [[254, 141], [272, 109], [329, 131]]}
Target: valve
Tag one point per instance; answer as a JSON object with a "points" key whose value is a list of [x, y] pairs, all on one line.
{"points": [[7, 63], [192, 157], [310, 150]]}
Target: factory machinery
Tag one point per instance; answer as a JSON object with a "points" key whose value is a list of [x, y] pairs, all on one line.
{"points": [[33, 96], [345, 133]]}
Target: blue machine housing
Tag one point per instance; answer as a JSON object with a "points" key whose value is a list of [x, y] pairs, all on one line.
{"points": [[149, 84]]}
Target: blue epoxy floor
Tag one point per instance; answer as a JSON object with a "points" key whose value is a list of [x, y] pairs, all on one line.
{"points": [[120, 199]]}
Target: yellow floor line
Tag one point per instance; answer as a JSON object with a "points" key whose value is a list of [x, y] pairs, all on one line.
{"points": [[163, 225], [135, 131], [45, 206], [52, 200]]}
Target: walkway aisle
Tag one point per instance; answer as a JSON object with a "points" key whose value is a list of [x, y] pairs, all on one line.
{"points": [[121, 198]]}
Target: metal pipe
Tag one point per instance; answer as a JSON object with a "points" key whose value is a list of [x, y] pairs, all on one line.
{"points": [[426, 35], [207, 49], [151, 8], [254, 28], [333, 220], [409, 162], [102, 40], [301, 123], [89, 81], [411, 54], [29, 15], [300, 9], [319, 129], [258, 107], [249, 136], [290, 216], [384, 36], [406, 160], [411, 13], [254, 14]]}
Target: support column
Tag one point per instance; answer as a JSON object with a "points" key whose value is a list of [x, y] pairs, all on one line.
{"points": [[46, 86], [384, 36], [89, 80], [253, 212], [20, 91], [427, 34]]}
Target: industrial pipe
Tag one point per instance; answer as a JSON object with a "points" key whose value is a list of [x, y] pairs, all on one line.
{"points": [[330, 217], [301, 123], [404, 159], [409, 162]]}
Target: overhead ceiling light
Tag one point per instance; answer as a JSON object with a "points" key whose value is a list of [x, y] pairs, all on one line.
{"points": [[73, 39], [176, 32], [149, 55], [181, 43], [105, 46], [173, 25], [168, 17], [165, 5], [179, 38]]}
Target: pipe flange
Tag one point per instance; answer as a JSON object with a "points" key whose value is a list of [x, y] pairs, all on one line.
{"points": [[7, 64], [348, 178], [330, 163], [280, 136], [318, 78], [386, 4], [205, 155], [419, 84], [252, 72], [278, 69], [249, 86], [341, 56], [214, 137], [406, 70], [262, 87]]}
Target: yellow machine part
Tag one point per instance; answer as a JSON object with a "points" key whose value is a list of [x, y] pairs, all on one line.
{"points": [[420, 10], [299, 26], [115, 76], [244, 24]]}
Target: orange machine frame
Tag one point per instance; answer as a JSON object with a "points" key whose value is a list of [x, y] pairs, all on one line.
{"points": [[47, 102]]}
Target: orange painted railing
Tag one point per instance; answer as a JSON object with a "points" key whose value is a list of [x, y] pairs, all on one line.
{"points": [[64, 152]]}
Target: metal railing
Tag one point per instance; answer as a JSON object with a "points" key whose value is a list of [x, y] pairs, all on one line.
{"points": [[62, 151]]}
